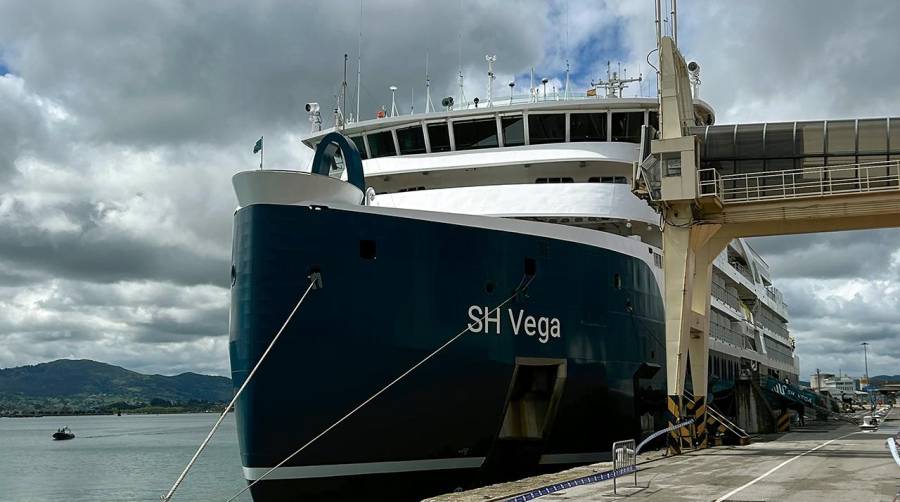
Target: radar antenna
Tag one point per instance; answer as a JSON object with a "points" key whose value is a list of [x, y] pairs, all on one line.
{"points": [[614, 84]]}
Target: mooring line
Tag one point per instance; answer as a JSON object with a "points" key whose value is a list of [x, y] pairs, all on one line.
{"points": [[171, 492], [523, 285]]}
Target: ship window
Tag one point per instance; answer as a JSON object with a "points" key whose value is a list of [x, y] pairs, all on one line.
{"points": [[439, 137], [367, 249], [411, 189], [810, 138], [381, 144], [361, 146], [473, 134], [617, 281], [513, 130], [546, 128], [780, 140], [626, 126], [842, 137], [872, 137], [587, 127], [555, 180], [411, 139], [619, 180]]}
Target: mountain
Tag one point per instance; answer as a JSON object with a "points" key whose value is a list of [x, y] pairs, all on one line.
{"points": [[884, 378], [84, 385]]}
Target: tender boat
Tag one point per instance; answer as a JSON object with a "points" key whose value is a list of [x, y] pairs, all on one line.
{"points": [[64, 433]]}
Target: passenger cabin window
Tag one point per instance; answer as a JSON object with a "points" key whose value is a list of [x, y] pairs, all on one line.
{"points": [[474, 134], [361, 146], [587, 127], [411, 189], [411, 139], [546, 128], [513, 130], [439, 136], [620, 180], [626, 126], [381, 144], [555, 180]]}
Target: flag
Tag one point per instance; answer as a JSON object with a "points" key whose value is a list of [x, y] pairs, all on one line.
{"points": [[258, 145]]}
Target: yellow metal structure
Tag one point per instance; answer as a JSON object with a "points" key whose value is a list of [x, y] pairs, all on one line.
{"points": [[702, 212]]}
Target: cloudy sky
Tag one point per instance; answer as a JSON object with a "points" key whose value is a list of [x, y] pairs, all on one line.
{"points": [[121, 124]]}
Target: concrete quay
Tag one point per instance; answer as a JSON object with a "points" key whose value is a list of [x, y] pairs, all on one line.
{"points": [[822, 461]]}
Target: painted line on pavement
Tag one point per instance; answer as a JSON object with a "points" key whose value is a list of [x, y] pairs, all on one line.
{"points": [[779, 466]]}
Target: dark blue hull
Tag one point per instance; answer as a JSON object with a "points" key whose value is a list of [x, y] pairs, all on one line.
{"points": [[489, 406]]}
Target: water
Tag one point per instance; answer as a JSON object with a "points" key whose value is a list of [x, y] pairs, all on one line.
{"points": [[127, 458]]}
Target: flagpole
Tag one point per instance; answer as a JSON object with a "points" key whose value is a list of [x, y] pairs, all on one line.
{"points": [[262, 147]]}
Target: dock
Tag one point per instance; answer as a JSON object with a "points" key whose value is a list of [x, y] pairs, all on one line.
{"points": [[822, 461]]}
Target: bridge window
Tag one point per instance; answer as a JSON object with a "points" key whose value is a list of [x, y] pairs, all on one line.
{"points": [[842, 137], [381, 144], [474, 134], [810, 139], [439, 137], [411, 139], [513, 130], [626, 126], [587, 127], [360, 145], [546, 128], [555, 180]]}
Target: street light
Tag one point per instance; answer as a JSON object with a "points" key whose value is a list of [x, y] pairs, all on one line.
{"points": [[866, 359]]}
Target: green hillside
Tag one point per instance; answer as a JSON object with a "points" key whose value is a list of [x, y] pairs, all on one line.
{"points": [[90, 386]]}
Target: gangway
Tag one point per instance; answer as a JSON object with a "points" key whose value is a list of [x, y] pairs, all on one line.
{"points": [[712, 184], [715, 419]]}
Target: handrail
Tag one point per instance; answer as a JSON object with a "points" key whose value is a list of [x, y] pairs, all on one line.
{"points": [[805, 182], [731, 426]]}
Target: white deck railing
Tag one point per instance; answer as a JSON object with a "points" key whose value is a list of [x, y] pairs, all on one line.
{"points": [[821, 181]]}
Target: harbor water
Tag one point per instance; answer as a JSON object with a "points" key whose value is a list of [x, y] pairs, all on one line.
{"points": [[127, 458]]}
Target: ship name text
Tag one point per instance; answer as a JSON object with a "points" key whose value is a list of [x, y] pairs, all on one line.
{"points": [[486, 320]]}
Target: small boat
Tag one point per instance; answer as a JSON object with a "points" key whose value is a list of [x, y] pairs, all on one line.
{"points": [[64, 433]]}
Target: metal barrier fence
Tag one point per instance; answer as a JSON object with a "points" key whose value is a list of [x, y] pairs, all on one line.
{"points": [[800, 183], [624, 460]]}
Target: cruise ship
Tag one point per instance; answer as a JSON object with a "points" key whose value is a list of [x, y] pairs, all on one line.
{"points": [[414, 228]]}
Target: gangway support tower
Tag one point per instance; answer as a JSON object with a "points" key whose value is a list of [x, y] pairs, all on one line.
{"points": [[703, 210]]}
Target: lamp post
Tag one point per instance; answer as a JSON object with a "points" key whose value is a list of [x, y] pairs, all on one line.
{"points": [[866, 359]]}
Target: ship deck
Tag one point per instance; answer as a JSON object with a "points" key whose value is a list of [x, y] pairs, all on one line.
{"points": [[825, 460]]}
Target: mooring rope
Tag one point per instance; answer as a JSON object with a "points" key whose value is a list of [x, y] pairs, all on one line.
{"points": [[523, 285], [171, 492]]}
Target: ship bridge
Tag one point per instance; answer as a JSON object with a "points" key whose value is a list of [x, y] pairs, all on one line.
{"points": [[715, 183]]}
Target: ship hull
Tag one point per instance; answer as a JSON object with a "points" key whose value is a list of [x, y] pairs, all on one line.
{"points": [[570, 364]]}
